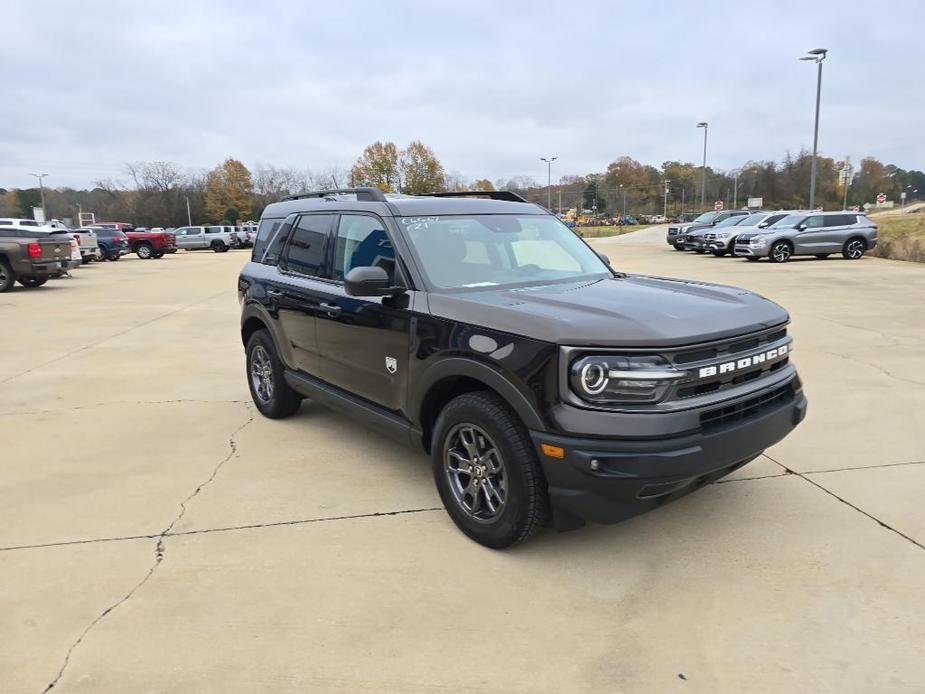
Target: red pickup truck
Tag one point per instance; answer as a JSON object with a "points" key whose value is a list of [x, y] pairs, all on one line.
{"points": [[145, 244]]}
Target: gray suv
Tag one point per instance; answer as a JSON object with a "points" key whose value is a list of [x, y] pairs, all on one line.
{"points": [[810, 233], [720, 241], [677, 233]]}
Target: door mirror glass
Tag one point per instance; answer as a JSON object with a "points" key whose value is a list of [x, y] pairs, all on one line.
{"points": [[368, 280], [801, 227]]}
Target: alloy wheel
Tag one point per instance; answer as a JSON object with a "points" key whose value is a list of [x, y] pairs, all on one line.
{"points": [[475, 472], [262, 374], [855, 249], [781, 253]]}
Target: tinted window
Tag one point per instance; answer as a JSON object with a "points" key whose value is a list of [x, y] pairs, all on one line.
{"points": [[265, 233], [362, 241], [305, 249], [6, 222], [814, 222], [773, 219], [213, 230], [28, 223]]}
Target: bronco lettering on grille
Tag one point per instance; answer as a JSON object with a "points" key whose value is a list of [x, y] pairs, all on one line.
{"points": [[743, 363]]}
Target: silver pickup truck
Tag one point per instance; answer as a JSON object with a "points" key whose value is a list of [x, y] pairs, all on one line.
{"points": [[810, 233], [215, 238]]}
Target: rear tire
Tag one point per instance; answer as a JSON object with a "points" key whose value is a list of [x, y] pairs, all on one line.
{"points": [[854, 249], [219, 247], [32, 282], [269, 390], [144, 251], [7, 278], [487, 472]]}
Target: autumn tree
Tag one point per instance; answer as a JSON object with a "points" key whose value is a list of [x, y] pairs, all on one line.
{"points": [[482, 184], [229, 186], [272, 183], [378, 167], [420, 170]]}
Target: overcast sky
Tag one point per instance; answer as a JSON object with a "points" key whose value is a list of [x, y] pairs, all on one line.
{"points": [[491, 87]]}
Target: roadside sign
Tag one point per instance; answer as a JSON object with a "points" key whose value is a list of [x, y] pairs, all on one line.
{"points": [[881, 198], [755, 203], [38, 214], [718, 205], [902, 196]]}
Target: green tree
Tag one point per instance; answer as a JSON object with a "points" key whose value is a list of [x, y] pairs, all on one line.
{"points": [[26, 199], [421, 171], [378, 167], [229, 186]]}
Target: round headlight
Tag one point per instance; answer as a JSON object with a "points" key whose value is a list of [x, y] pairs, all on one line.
{"points": [[594, 377]]}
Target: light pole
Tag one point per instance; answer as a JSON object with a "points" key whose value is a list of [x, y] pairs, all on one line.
{"points": [[735, 190], [549, 161], [189, 217], [817, 55], [665, 210], [41, 192], [703, 176], [624, 199]]}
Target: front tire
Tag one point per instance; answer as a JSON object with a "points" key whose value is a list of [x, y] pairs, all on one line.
{"points": [[780, 252], [269, 390], [487, 472], [677, 248], [7, 278], [854, 249], [719, 253]]}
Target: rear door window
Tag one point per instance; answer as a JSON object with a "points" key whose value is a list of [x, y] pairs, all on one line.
{"points": [[304, 252]]}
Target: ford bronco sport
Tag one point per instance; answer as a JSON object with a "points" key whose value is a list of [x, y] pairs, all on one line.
{"points": [[478, 327]]}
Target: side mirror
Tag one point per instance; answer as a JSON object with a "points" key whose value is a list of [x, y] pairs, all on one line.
{"points": [[763, 225], [801, 227], [604, 258], [369, 280]]}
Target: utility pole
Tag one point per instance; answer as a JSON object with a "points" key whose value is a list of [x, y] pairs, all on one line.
{"points": [[549, 161], [560, 200], [703, 175], [816, 55], [189, 217], [624, 199], [846, 181], [735, 191], [665, 212], [41, 193]]}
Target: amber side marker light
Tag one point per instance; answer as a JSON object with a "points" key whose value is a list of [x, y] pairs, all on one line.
{"points": [[551, 451]]}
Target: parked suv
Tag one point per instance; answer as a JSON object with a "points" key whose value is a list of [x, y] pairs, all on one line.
{"points": [[722, 241], [677, 233], [697, 240], [479, 328], [216, 238], [113, 243], [810, 233]]}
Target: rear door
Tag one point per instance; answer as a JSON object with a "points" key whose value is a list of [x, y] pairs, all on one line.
{"points": [[299, 288], [363, 342], [838, 228]]}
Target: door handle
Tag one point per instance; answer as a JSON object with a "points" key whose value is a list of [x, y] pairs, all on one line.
{"points": [[274, 293], [330, 309]]}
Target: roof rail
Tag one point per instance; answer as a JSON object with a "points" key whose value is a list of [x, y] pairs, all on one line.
{"points": [[367, 194], [493, 194]]}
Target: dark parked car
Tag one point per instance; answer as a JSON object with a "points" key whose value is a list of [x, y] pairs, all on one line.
{"points": [[543, 383], [32, 257], [113, 243]]}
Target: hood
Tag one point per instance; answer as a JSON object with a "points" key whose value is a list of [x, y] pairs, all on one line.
{"points": [[633, 311]]}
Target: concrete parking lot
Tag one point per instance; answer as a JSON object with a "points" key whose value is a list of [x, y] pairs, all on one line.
{"points": [[158, 535]]}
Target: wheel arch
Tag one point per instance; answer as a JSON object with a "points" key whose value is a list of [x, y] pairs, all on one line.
{"points": [[456, 376]]}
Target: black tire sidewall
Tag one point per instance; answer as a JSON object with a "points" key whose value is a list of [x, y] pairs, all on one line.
{"points": [[7, 284], [284, 400], [508, 434]]}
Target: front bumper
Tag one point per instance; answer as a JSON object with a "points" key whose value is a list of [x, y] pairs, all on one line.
{"points": [[751, 251], [609, 480]]}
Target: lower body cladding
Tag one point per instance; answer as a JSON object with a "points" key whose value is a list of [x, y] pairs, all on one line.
{"points": [[610, 480]]}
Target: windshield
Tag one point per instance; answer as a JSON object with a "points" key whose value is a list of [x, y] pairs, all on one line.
{"points": [[791, 220], [704, 218], [730, 222], [472, 251], [753, 220]]}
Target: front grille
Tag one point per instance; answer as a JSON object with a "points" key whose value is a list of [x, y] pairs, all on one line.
{"points": [[672, 231], [730, 348], [739, 412], [710, 237]]}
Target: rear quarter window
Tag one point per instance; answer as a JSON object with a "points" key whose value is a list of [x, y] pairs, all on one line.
{"points": [[266, 233]]}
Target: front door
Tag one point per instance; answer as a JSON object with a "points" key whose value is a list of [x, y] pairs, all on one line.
{"points": [[363, 341], [810, 239]]}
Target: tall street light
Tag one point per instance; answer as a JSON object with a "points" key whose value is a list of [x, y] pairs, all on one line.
{"points": [[41, 192], [817, 55], [703, 176], [549, 161]]}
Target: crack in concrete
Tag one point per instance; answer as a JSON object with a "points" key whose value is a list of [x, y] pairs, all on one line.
{"points": [[74, 408], [159, 551], [229, 528], [862, 467], [865, 363], [847, 503], [110, 337]]}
